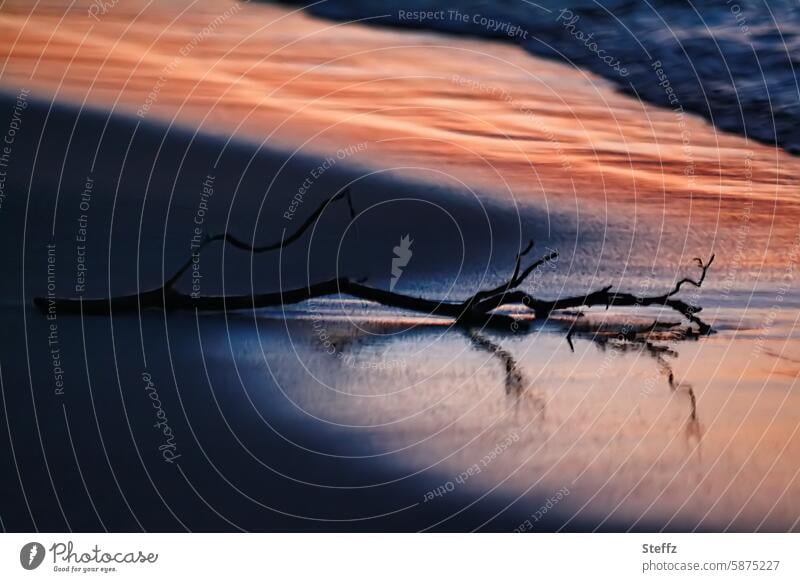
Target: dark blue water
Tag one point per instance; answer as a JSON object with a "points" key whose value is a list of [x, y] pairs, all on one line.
{"points": [[734, 62]]}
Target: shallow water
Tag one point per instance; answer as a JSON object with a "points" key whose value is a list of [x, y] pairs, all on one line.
{"points": [[734, 63], [483, 118], [715, 449], [404, 406]]}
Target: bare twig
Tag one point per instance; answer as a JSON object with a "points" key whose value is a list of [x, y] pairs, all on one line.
{"points": [[607, 298], [478, 309], [241, 245]]}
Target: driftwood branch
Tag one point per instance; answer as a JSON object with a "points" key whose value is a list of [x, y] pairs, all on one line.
{"points": [[480, 309], [241, 245], [607, 298]]}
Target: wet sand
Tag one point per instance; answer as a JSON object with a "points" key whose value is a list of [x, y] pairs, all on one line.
{"points": [[621, 196], [470, 113]]}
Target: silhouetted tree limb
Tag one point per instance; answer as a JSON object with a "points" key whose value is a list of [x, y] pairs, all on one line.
{"points": [[167, 296], [236, 243], [477, 310], [607, 298]]}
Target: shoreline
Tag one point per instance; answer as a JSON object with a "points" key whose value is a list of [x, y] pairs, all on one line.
{"points": [[311, 418], [512, 127]]}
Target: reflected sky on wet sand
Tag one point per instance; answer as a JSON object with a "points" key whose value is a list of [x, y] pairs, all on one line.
{"points": [[677, 431], [698, 432]]}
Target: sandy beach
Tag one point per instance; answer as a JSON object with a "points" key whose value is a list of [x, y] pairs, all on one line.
{"points": [[338, 415]]}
